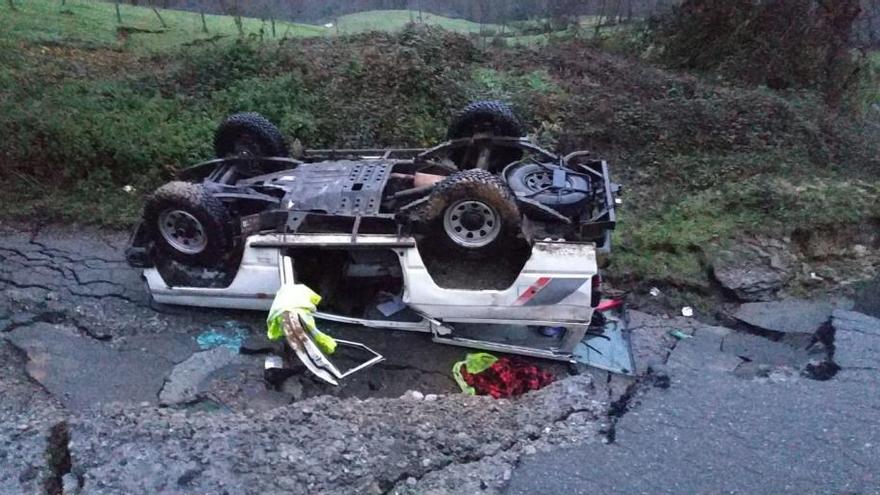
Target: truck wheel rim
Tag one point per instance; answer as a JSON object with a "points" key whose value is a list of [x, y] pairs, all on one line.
{"points": [[471, 224], [537, 181], [182, 231]]}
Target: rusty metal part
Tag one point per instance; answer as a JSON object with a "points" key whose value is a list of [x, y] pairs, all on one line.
{"points": [[305, 349]]}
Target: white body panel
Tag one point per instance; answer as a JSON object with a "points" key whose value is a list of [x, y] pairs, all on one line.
{"points": [[554, 286], [559, 274], [254, 285]]}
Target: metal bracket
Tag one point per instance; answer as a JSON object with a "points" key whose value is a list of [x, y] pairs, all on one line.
{"points": [[312, 356], [304, 347]]}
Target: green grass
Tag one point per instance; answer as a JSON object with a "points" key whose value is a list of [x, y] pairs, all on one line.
{"points": [[393, 20], [93, 23], [871, 91]]}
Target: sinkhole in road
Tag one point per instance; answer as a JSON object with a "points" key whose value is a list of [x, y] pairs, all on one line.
{"points": [[413, 363]]}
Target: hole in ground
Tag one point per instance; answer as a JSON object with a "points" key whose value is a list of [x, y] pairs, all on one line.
{"points": [[412, 363]]}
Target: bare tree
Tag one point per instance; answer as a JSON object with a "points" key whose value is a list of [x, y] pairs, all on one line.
{"points": [[12, 4], [601, 16], [161, 20], [231, 8], [118, 13]]}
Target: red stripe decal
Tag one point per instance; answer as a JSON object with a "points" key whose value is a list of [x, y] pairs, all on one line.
{"points": [[532, 290]]}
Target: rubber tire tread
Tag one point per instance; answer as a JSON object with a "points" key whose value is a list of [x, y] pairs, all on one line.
{"points": [[269, 138], [195, 200], [505, 122]]}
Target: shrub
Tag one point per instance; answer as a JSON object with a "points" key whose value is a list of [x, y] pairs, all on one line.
{"points": [[782, 44]]}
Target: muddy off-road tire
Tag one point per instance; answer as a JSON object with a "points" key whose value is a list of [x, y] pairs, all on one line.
{"points": [[248, 134], [483, 116], [188, 224], [471, 212], [492, 117]]}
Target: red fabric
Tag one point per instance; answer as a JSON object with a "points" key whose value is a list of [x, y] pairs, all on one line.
{"points": [[508, 377]]}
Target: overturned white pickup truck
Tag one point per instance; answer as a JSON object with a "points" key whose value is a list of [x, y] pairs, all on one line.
{"points": [[484, 241]]}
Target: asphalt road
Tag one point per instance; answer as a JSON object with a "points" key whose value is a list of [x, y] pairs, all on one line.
{"points": [[716, 431], [105, 393]]}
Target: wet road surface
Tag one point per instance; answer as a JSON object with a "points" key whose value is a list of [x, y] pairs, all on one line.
{"points": [[105, 392], [716, 429]]}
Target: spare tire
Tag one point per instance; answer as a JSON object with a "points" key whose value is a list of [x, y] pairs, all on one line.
{"points": [[248, 134], [472, 212], [188, 224], [535, 182], [485, 116]]}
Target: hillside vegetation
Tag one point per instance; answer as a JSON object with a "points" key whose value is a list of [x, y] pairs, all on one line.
{"points": [[702, 164]]}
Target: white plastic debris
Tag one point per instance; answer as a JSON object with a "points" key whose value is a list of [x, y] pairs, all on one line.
{"points": [[273, 362], [127, 188], [328, 25], [392, 306], [815, 277], [687, 311], [654, 291]]}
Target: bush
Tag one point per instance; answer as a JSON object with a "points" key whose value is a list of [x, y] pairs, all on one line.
{"points": [[782, 44], [369, 90]]}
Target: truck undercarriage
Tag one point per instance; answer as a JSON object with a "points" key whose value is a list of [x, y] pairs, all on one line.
{"points": [[480, 241]]}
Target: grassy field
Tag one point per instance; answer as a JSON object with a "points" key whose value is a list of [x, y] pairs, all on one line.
{"points": [[393, 20], [93, 24], [869, 99]]}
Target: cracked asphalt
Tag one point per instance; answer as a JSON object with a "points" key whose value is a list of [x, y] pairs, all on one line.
{"points": [[715, 429], [106, 393]]}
